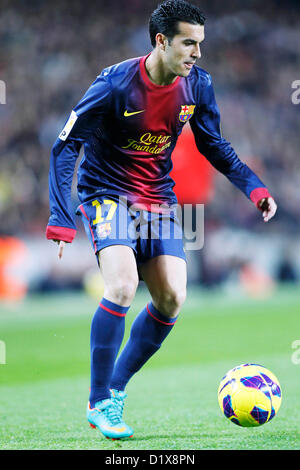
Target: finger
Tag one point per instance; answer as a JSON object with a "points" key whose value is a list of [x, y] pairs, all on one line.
{"points": [[61, 247]]}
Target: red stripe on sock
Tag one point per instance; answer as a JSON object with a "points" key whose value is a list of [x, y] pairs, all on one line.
{"points": [[113, 312], [160, 321]]}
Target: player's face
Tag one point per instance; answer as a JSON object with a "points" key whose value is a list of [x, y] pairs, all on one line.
{"points": [[184, 49]]}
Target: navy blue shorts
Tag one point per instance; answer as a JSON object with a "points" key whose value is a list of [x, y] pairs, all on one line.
{"points": [[110, 221]]}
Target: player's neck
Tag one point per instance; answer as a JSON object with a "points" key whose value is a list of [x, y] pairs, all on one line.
{"points": [[156, 70]]}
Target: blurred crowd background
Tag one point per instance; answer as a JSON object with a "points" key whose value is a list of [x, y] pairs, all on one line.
{"points": [[50, 52]]}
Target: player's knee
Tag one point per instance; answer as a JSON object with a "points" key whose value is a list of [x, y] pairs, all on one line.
{"points": [[178, 299], [122, 291], [170, 301]]}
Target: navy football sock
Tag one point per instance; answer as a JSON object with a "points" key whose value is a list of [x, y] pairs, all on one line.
{"points": [[148, 331], [107, 331]]}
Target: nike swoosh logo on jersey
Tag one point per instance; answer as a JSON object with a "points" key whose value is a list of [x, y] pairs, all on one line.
{"points": [[127, 114]]}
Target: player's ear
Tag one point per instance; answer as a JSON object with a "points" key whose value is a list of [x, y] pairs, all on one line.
{"points": [[161, 41]]}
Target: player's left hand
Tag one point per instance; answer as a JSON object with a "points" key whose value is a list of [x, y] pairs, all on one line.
{"points": [[268, 207]]}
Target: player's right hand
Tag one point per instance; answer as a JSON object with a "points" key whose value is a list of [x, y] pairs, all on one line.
{"points": [[268, 207], [61, 246]]}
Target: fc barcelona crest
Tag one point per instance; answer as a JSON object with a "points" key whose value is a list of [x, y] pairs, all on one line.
{"points": [[103, 230], [186, 112]]}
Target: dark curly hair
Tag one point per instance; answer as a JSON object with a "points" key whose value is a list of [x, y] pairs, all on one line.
{"points": [[166, 16]]}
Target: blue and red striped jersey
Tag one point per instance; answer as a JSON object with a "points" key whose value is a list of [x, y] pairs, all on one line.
{"points": [[129, 127]]}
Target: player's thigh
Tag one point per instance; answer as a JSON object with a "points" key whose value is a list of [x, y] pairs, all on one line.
{"points": [[166, 279], [119, 271]]}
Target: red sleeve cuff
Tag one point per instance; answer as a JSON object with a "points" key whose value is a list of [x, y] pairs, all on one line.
{"points": [[259, 193], [60, 233]]}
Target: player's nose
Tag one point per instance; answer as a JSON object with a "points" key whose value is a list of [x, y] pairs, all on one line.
{"points": [[197, 52]]}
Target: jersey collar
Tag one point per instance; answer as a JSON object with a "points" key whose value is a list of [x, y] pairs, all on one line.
{"points": [[153, 86]]}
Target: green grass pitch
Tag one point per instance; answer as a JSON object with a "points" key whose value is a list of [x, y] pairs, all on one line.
{"points": [[172, 402]]}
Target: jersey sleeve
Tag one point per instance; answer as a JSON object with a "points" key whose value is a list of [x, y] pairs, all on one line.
{"points": [[83, 121], [205, 125]]}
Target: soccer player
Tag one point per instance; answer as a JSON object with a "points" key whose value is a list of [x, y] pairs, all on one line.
{"points": [[129, 121]]}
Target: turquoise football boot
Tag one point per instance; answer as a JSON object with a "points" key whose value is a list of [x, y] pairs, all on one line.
{"points": [[118, 398], [106, 417]]}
